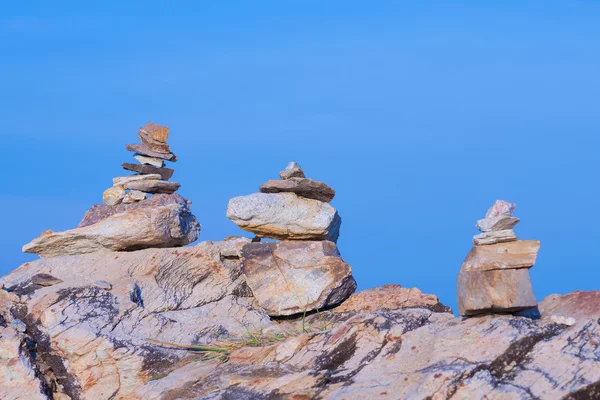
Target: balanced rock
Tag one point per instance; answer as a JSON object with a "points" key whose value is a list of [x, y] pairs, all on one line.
{"points": [[481, 291], [302, 187], [134, 196], [154, 145], [487, 238], [146, 151], [500, 223], [501, 208], [122, 180], [153, 186], [294, 277], [156, 132], [293, 170], [285, 216], [155, 162], [164, 173], [512, 255], [114, 195], [162, 226]]}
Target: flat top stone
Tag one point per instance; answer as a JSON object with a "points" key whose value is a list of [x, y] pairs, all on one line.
{"points": [[155, 131], [144, 169], [501, 208], [511, 255], [122, 180], [153, 186]]}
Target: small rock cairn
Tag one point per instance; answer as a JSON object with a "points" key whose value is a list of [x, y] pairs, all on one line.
{"points": [[304, 271], [152, 176], [495, 275]]}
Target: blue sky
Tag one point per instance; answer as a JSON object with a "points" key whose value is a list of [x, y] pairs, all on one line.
{"points": [[419, 114]]}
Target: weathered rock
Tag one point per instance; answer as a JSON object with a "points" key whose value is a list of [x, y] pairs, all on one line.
{"points": [[232, 246], [134, 196], [292, 170], [285, 216], [45, 280], [103, 285], [155, 162], [153, 186], [122, 180], [579, 305], [302, 187], [146, 151], [154, 145], [501, 208], [162, 226], [494, 291], [113, 196], [99, 212], [494, 237], [157, 132], [497, 223], [517, 254], [164, 173], [294, 277], [563, 320]]}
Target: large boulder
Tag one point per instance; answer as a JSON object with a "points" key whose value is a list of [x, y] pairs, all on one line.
{"points": [[285, 216], [296, 277], [164, 225]]}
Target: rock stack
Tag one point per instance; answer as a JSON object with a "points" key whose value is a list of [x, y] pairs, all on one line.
{"points": [[304, 271], [152, 176], [495, 275]]}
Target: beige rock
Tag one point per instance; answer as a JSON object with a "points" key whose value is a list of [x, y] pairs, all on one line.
{"points": [[113, 196], [498, 290], [157, 132], [499, 223], [292, 170], [517, 254], [162, 226], [123, 180], [285, 216], [294, 277], [232, 246], [134, 196], [155, 162], [153, 186], [494, 237]]}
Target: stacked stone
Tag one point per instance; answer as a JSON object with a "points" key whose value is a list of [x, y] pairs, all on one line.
{"points": [[495, 275], [152, 176], [304, 271]]}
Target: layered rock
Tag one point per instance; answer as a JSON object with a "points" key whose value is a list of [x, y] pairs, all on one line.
{"points": [[494, 277]]}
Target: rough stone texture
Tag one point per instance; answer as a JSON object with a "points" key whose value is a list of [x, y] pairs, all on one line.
{"points": [[294, 277], [134, 196], [579, 305], [155, 131], [154, 145], [122, 180], [153, 186], [155, 162], [494, 237], [45, 280], [113, 196], [517, 254], [292, 170], [285, 216], [302, 187], [499, 290], [161, 226], [501, 208], [497, 223], [99, 344], [233, 245], [146, 151], [164, 173], [99, 212]]}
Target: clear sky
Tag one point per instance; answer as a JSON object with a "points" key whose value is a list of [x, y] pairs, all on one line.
{"points": [[419, 113]]}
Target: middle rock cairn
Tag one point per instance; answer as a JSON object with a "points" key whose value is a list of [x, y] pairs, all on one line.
{"points": [[304, 270], [152, 176], [495, 275]]}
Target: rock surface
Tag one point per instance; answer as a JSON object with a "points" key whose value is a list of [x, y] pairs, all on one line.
{"points": [[146, 151], [302, 187], [164, 173], [516, 254], [113, 196], [292, 170], [155, 162], [497, 223], [295, 277], [154, 145], [134, 196], [487, 238], [285, 216], [153, 186], [167, 225]]}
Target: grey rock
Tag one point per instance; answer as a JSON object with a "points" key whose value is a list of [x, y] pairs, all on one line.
{"points": [[302, 187], [494, 291], [155, 162], [113, 196], [232, 246], [153, 186], [297, 276], [292, 170], [165, 173], [494, 237], [134, 196], [500, 223], [501, 208], [285, 216], [122, 180], [146, 151], [103, 285]]}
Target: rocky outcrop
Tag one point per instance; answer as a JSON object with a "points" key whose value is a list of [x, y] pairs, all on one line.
{"points": [[165, 225]]}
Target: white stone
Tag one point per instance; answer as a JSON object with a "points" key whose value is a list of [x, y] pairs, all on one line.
{"points": [[155, 162], [488, 238]]}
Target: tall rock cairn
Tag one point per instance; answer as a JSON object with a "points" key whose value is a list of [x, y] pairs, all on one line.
{"points": [[304, 271], [495, 275], [152, 176]]}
